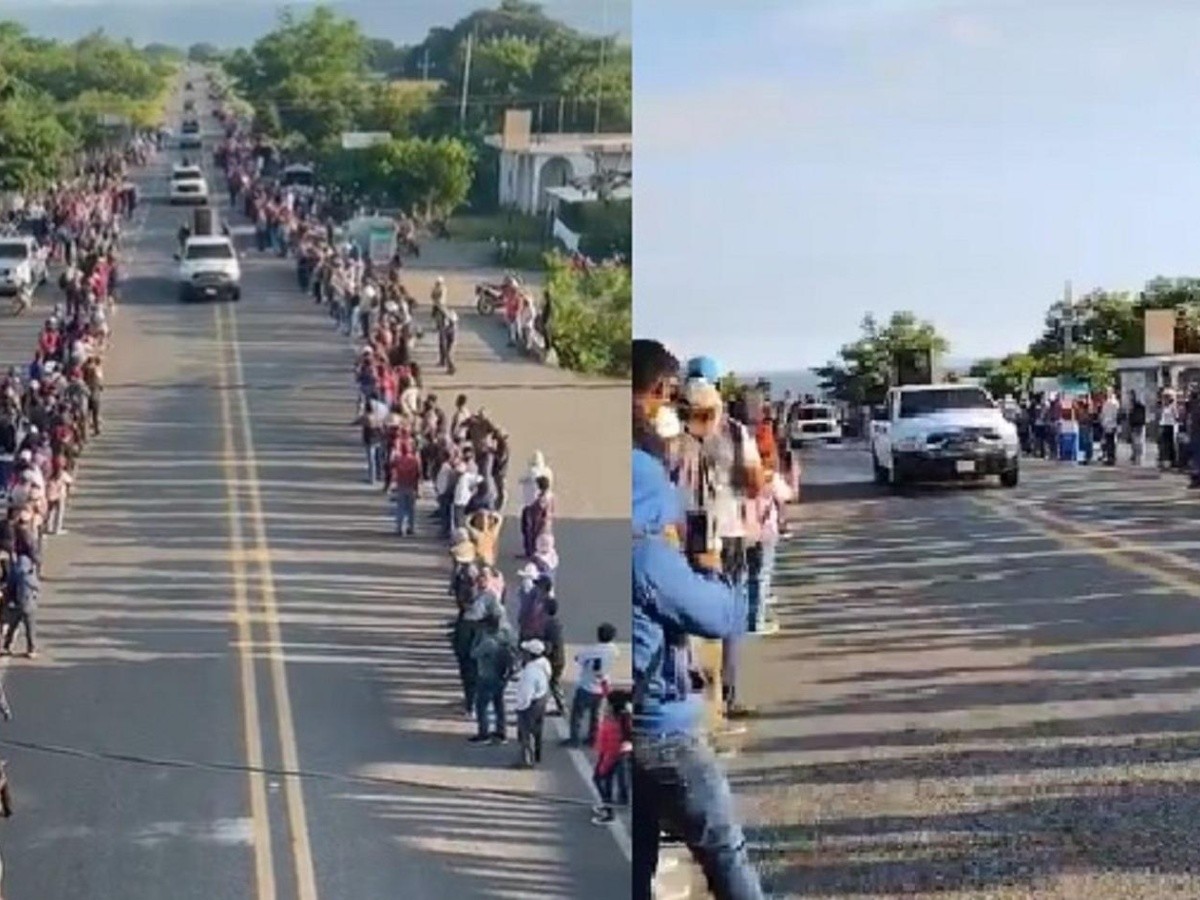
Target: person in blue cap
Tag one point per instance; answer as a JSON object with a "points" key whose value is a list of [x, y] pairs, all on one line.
{"points": [[678, 784]]}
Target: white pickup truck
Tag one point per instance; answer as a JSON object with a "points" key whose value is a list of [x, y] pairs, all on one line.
{"points": [[22, 264], [942, 432]]}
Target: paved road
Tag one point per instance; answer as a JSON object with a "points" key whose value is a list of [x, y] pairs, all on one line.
{"points": [[230, 593], [982, 693]]}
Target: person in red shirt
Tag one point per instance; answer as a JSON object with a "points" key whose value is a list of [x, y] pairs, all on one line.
{"points": [[404, 480], [614, 746]]}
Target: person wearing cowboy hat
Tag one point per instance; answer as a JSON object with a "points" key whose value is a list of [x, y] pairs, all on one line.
{"points": [[533, 689]]}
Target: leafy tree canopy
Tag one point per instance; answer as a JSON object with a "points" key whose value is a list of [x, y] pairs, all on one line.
{"points": [[862, 372]]}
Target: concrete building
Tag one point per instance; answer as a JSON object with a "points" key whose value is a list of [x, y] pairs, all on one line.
{"points": [[555, 161], [1146, 374]]}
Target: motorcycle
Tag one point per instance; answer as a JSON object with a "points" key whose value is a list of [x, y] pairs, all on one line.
{"points": [[487, 299]]}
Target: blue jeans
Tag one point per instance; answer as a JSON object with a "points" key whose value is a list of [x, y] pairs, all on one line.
{"points": [[584, 705], [730, 647], [679, 787], [489, 695], [374, 463], [617, 778], [406, 510], [759, 584]]}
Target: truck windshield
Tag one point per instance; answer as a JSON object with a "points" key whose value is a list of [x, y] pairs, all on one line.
{"points": [[209, 251], [298, 178], [924, 403], [815, 413], [14, 250]]}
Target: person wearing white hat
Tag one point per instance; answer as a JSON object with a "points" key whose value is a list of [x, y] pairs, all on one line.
{"points": [[533, 689]]}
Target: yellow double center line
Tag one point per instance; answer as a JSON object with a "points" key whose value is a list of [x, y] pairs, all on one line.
{"points": [[243, 472], [1116, 551]]}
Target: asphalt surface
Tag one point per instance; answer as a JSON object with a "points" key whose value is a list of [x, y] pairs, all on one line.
{"points": [[979, 692], [230, 593]]}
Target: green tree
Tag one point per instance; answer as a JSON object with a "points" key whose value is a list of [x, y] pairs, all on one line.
{"points": [[33, 144], [592, 317], [862, 372], [203, 53], [1011, 375]]}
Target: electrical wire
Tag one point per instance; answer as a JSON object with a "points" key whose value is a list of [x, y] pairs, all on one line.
{"points": [[305, 774]]}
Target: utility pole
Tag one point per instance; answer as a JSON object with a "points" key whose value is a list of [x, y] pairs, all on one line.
{"points": [[425, 65], [1068, 321], [466, 85], [562, 108]]}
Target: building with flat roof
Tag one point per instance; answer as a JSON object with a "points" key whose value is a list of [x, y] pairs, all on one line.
{"points": [[531, 168]]}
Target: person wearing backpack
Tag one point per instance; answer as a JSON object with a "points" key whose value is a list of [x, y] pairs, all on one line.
{"points": [[494, 659]]}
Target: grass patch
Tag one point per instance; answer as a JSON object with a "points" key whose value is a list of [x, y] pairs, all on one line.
{"points": [[513, 227]]}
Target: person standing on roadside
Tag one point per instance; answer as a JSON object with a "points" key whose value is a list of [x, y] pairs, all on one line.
{"points": [[1137, 428], [677, 780], [1110, 418], [1193, 432]]}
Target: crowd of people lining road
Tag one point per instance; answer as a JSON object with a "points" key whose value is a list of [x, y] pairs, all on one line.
{"points": [[445, 470], [1093, 427], [50, 408]]}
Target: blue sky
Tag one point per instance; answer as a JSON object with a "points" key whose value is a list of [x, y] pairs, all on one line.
{"points": [[802, 163]]}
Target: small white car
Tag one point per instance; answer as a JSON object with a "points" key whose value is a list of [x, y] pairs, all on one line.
{"points": [[188, 185], [813, 423], [209, 269], [22, 264]]}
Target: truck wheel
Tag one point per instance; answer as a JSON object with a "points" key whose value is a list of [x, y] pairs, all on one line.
{"points": [[881, 474], [1010, 477]]}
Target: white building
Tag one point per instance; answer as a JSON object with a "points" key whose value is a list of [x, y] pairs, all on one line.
{"points": [[555, 161]]}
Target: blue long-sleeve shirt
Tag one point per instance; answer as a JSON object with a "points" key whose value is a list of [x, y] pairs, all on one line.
{"points": [[671, 601]]}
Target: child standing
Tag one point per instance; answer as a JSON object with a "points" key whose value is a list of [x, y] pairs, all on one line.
{"points": [[614, 746]]}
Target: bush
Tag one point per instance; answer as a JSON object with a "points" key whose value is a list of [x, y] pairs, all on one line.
{"points": [[592, 320]]}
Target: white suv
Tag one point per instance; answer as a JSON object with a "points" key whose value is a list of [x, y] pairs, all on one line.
{"points": [[188, 185], [22, 264], [209, 268]]}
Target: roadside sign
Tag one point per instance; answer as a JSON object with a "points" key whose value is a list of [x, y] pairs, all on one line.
{"points": [[360, 140]]}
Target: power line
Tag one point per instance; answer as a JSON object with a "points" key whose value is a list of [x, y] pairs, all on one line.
{"points": [[306, 774]]}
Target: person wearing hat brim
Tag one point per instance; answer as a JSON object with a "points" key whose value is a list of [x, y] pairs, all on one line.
{"points": [[533, 690]]}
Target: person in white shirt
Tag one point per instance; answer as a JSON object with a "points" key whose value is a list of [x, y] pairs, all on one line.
{"points": [[464, 489], [594, 669], [533, 690], [778, 493], [1110, 415], [1167, 421], [537, 469]]}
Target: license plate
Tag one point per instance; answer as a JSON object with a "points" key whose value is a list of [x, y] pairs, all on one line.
{"points": [[210, 292], [964, 466]]}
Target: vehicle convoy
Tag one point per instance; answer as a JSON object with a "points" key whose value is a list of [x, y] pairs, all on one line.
{"points": [[22, 265], [209, 269], [188, 185], [942, 432], [814, 423]]}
